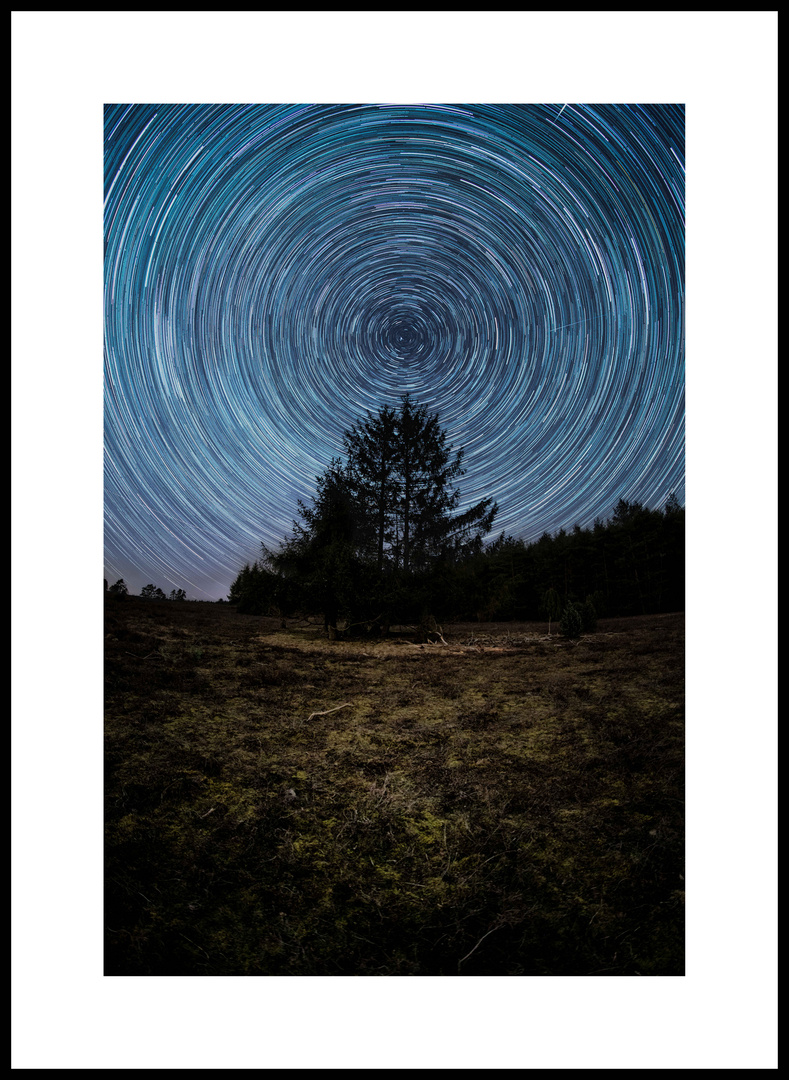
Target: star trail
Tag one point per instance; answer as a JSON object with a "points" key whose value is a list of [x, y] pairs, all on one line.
{"points": [[274, 272]]}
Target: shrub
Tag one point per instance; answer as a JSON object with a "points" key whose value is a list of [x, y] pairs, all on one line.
{"points": [[571, 625]]}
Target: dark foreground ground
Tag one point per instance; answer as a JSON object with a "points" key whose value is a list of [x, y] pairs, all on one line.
{"points": [[506, 803]]}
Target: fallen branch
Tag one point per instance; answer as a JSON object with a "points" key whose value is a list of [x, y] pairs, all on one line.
{"points": [[368, 624], [337, 708]]}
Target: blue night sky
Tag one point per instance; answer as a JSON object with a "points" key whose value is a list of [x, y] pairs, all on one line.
{"points": [[274, 272]]}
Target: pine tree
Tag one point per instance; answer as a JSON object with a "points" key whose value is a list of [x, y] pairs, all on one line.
{"points": [[401, 473], [571, 624], [382, 526]]}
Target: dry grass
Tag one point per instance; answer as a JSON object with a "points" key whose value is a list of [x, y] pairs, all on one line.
{"points": [[503, 804]]}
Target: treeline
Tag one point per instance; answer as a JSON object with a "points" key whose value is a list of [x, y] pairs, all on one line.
{"points": [[631, 564], [120, 590], [383, 543]]}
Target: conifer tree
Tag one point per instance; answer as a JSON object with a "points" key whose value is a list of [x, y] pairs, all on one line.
{"points": [[401, 472]]}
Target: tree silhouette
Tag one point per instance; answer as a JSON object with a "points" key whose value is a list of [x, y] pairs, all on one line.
{"points": [[381, 527], [151, 592], [401, 473]]}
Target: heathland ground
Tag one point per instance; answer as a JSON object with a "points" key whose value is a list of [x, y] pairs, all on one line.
{"points": [[500, 801]]}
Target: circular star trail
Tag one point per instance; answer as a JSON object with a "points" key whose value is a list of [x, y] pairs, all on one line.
{"points": [[275, 272]]}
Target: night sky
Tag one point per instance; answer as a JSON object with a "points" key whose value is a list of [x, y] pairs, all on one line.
{"points": [[274, 272]]}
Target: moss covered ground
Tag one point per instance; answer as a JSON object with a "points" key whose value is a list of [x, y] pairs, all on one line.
{"points": [[499, 803]]}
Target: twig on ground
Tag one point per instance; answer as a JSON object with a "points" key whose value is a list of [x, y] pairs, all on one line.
{"points": [[200, 947], [498, 927], [347, 705]]}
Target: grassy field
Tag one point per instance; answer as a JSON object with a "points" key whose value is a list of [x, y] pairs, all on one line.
{"points": [[499, 803]]}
